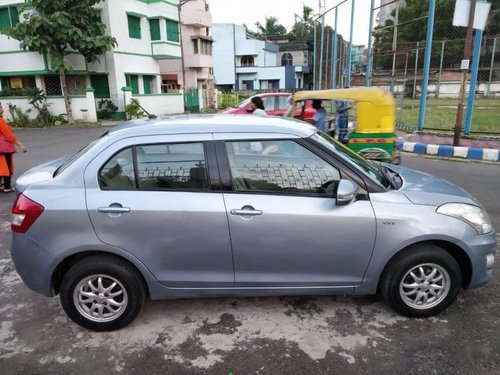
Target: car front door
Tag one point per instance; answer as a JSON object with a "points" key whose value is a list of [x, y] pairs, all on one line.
{"points": [[152, 198], [286, 229]]}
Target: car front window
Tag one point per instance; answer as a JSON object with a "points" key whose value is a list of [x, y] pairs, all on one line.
{"points": [[280, 166], [358, 162]]}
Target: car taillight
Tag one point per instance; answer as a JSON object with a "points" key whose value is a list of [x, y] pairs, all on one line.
{"points": [[24, 213]]}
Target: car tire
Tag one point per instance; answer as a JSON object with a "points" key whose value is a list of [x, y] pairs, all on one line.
{"points": [[422, 281], [102, 293]]}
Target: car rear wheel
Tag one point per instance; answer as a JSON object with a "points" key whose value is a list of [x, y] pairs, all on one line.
{"points": [[102, 293], [422, 281]]}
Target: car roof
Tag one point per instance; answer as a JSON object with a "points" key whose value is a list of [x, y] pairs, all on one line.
{"points": [[220, 123]]}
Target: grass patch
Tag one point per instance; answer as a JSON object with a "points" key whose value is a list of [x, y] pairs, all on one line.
{"points": [[441, 114]]}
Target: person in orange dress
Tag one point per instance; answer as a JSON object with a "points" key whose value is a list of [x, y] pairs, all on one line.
{"points": [[8, 143]]}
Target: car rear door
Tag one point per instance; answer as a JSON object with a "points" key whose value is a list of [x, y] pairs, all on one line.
{"points": [[152, 197], [286, 229]]}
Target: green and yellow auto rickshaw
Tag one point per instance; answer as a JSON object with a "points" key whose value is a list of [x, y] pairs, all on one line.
{"points": [[375, 124]]}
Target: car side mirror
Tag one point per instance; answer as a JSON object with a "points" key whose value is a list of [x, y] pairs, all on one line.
{"points": [[346, 192]]}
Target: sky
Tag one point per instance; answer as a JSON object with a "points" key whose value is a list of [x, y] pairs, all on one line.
{"points": [[251, 11]]}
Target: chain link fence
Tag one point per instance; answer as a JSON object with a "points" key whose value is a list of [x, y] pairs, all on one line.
{"points": [[398, 37]]}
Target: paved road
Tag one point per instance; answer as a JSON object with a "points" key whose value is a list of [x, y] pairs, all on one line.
{"points": [[289, 335]]}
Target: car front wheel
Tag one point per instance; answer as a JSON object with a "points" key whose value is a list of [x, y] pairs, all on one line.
{"points": [[102, 293], [421, 282]]}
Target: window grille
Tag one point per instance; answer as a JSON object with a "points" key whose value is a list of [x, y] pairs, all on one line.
{"points": [[76, 84], [247, 61], [52, 85]]}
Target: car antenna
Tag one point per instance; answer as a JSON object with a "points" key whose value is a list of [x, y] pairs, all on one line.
{"points": [[151, 116]]}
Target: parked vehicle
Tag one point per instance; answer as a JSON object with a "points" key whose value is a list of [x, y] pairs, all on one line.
{"points": [[275, 104], [240, 206], [375, 131]]}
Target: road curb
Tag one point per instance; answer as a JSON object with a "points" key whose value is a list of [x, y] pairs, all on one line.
{"points": [[471, 153]]}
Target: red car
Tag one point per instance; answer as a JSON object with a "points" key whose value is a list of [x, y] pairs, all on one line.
{"points": [[275, 104]]}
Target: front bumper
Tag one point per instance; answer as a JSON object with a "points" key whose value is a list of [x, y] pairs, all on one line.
{"points": [[481, 250]]}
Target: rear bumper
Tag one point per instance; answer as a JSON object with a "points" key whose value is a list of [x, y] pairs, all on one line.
{"points": [[34, 263]]}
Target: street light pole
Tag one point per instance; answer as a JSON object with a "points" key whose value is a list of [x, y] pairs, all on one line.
{"points": [[465, 71]]}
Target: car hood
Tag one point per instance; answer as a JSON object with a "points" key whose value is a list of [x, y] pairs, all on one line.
{"points": [[42, 172], [426, 189]]}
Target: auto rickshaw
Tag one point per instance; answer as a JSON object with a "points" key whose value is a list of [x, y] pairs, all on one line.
{"points": [[375, 130]]}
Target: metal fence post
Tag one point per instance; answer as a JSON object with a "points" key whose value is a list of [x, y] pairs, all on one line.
{"points": [[415, 73], [438, 88], [427, 64], [394, 46], [487, 91], [320, 78], [349, 55], [314, 58], [334, 54], [476, 56], [369, 51]]}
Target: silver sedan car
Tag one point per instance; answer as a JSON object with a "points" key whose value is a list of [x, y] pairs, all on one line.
{"points": [[240, 206]]}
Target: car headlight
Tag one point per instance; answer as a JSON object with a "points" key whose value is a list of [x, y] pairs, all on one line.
{"points": [[473, 215]]}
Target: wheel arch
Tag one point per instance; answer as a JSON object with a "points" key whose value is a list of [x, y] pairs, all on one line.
{"points": [[452, 249], [63, 267]]}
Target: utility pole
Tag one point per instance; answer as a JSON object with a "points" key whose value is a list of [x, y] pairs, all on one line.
{"points": [[181, 3], [465, 71]]}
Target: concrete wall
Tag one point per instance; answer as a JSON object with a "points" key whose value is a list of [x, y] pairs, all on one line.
{"points": [[57, 106], [224, 53], [164, 104]]}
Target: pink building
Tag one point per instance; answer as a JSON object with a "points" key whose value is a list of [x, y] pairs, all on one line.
{"points": [[196, 25]]}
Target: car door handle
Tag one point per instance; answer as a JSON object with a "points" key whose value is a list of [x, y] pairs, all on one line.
{"points": [[113, 210], [246, 212]]}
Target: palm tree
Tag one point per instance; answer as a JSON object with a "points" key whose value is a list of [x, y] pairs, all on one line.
{"points": [[271, 27], [303, 24]]}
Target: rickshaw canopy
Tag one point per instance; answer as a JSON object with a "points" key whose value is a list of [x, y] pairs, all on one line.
{"points": [[375, 107]]}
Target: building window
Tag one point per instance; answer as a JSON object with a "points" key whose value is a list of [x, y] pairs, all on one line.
{"points": [[100, 84], [15, 86], [247, 61], [134, 27], [154, 29], [52, 85], [173, 31], [287, 59], [133, 82], [206, 47], [76, 84], [202, 46], [8, 17], [148, 84]]}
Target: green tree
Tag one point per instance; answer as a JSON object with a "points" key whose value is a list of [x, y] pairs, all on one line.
{"points": [[413, 28], [56, 28], [270, 27], [303, 24]]}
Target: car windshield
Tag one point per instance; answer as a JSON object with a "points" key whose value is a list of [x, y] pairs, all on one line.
{"points": [[361, 164], [244, 103], [76, 156]]}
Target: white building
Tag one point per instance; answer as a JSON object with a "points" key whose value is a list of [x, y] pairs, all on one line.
{"points": [[242, 63], [147, 31]]}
